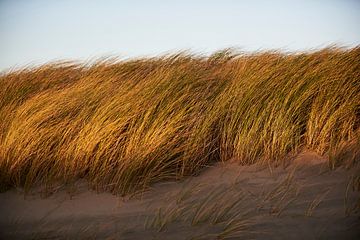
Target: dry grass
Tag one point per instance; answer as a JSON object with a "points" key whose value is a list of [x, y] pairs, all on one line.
{"points": [[124, 124], [280, 196], [352, 186], [221, 208], [316, 202]]}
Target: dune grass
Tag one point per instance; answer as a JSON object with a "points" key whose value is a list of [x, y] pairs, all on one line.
{"points": [[123, 124]]}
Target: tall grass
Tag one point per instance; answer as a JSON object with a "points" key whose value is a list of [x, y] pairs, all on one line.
{"points": [[124, 124]]}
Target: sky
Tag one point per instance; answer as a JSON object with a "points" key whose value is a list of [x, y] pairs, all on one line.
{"points": [[37, 31]]}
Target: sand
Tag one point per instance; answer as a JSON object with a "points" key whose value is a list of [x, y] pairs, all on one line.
{"points": [[304, 200]]}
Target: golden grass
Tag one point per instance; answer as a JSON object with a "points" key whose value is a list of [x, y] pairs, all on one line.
{"points": [[125, 124]]}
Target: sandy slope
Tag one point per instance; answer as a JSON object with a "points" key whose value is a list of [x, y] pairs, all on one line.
{"points": [[302, 201]]}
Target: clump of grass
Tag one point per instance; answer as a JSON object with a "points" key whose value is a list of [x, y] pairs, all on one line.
{"points": [[122, 124], [281, 196], [221, 208]]}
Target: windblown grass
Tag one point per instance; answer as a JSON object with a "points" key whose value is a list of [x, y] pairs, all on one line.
{"points": [[124, 124]]}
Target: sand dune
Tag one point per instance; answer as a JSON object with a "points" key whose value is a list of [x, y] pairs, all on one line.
{"points": [[125, 124], [304, 200]]}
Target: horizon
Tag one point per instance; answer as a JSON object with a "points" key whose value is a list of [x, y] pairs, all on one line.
{"points": [[36, 32]]}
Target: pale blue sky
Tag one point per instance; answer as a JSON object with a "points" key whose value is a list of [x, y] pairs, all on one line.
{"points": [[37, 31]]}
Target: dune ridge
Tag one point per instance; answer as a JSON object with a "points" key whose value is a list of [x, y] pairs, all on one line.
{"points": [[305, 200], [123, 124]]}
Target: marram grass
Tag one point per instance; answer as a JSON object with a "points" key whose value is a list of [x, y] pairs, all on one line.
{"points": [[122, 124]]}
